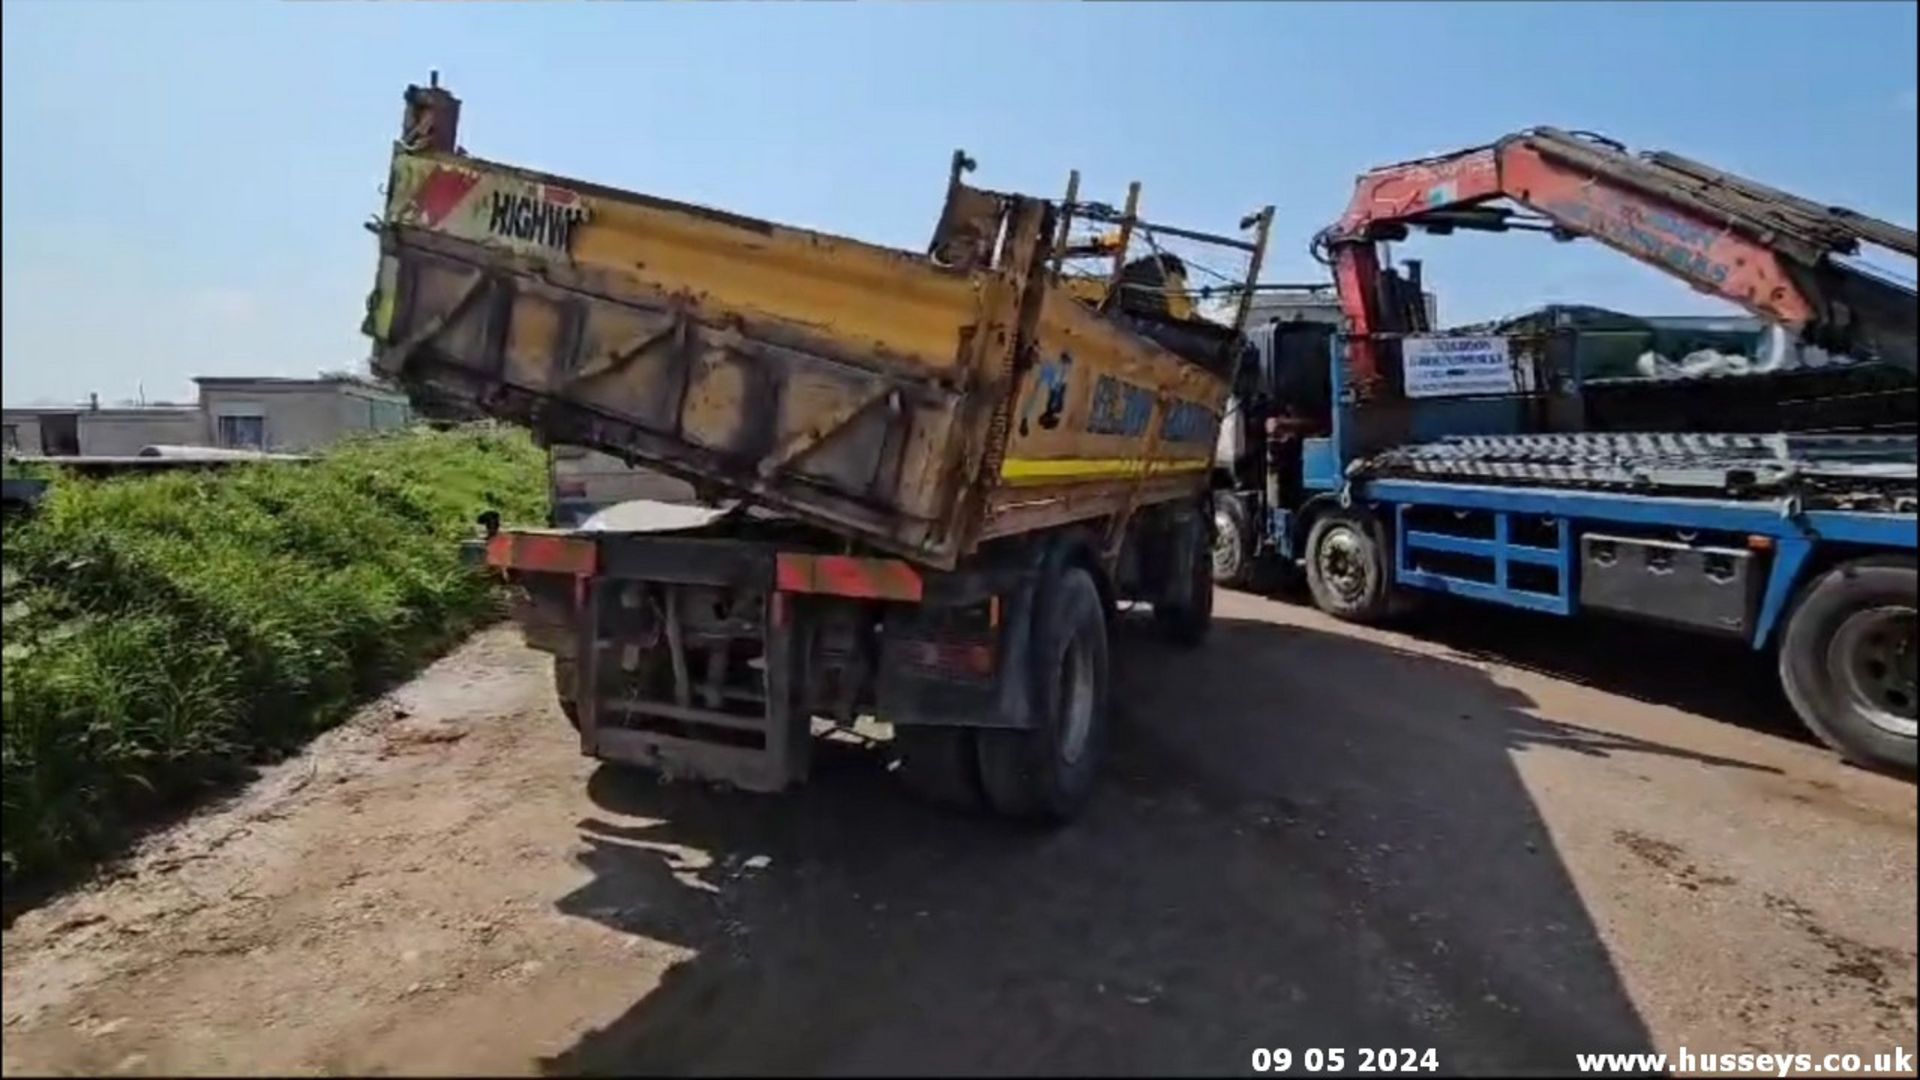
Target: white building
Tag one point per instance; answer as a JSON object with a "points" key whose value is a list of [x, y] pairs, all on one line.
{"points": [[241, 413]]}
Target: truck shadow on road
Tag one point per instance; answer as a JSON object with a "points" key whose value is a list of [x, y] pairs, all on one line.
{"points": [[1722, 679], [1305, 840]]}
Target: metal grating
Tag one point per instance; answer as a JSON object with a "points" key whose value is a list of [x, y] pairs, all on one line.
{"points": [[1871, 471]]}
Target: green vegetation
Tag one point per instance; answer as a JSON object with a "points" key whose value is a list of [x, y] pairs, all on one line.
{"points": [[162, 631], [25, 469]]}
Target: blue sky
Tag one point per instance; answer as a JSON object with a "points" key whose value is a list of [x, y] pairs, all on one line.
{"points": [[184, 184]]}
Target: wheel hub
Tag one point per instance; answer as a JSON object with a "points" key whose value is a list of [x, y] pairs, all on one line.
{"points": [[1226, 546], [1873, 659], [1343, 564]]}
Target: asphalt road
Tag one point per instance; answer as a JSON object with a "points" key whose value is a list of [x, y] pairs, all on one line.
{"points": [[1501, 838]]}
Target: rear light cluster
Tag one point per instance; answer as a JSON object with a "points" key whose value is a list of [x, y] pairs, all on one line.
{"points": [[973, 658]]}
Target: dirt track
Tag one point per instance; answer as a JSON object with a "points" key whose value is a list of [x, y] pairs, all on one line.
{"points": [[1312, 836]]}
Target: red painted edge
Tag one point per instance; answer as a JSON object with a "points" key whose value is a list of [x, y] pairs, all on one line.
{"points": [[848, 575], [539, 553]]}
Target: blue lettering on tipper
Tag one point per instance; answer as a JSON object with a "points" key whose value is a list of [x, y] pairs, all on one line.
{"points": [[1188, 422], [1119, 408]]}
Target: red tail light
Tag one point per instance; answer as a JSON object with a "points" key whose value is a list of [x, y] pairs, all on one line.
{"points": [[960, 658]]}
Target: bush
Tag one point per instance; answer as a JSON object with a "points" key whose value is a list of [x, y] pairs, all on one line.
{"points": [[162, 631]]}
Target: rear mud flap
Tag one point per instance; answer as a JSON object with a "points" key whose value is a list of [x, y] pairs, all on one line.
{"points": [[916, 687]]}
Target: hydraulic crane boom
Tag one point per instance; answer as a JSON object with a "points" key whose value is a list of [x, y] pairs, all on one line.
{"points": [[1768, 251]]}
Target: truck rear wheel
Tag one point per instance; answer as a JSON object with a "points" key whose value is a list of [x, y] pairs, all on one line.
{"points": [[1347, 567], [940, 764], [1046, 773], [1186, 624], [563, 680], [1847, 660]]}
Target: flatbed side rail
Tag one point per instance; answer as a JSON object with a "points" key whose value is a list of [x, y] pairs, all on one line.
{"points": [[1777, 529]]}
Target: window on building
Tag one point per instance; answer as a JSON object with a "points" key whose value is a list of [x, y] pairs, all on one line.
{"points": [[60, 433], [10, 437], [243, 432], [388, 415]]}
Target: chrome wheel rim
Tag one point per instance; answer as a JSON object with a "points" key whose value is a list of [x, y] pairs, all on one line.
{"points": [[1226, 546], [1343, 564], [1872, 657]]}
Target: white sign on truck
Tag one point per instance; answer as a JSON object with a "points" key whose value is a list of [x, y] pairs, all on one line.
{"points": [[1458, 366]]}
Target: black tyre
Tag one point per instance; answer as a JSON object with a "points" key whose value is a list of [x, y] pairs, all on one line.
{"points": [[1186, 623], [563, 680], [1047, 773], [939, 764], [1233, 546], [1847, 660], [1347, 570]]}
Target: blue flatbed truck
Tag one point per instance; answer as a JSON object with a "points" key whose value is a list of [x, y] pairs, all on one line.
{"points": [[1384, 459]]}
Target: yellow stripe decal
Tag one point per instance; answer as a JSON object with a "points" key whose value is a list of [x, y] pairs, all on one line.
{"points": [[1069, 470]]}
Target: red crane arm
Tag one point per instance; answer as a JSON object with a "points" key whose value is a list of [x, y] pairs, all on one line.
{"points": [[1763, 249]]}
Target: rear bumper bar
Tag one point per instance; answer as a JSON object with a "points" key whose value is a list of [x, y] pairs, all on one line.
{"points": [[698, 560]]}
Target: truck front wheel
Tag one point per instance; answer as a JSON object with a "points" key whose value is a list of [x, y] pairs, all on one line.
{"points": [[1847, 660], [1233, 546], [1347, 566], [1046, 772]]}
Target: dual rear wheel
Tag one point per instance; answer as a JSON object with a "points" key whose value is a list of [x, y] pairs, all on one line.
{"points": [[1044, 772]]}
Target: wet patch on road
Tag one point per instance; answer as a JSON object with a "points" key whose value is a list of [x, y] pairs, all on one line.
{"points": [[1671, 858], [1856, 962]]}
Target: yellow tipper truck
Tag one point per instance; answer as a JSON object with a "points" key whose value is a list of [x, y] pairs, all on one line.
{"points": [[928, 479]]}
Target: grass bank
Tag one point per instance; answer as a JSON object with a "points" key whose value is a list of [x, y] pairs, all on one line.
{"points": [[162, 632]]}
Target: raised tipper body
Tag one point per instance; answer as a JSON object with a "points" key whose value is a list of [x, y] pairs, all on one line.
{"points": [[946, 468], [920, 402]]}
